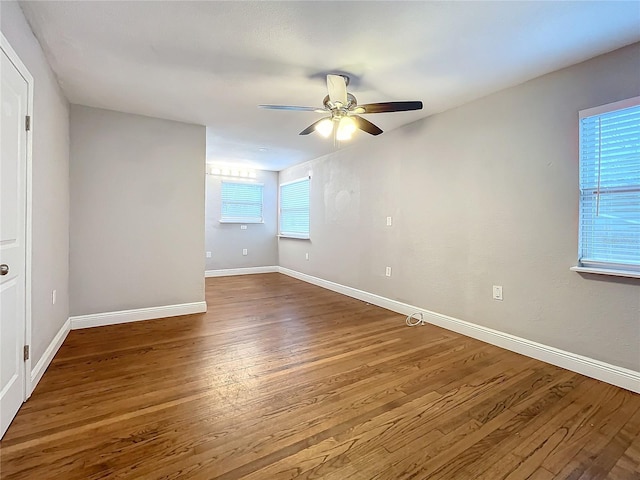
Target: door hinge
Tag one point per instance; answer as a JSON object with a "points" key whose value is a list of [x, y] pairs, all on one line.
{"points": [[27, 123], [26, 352]]}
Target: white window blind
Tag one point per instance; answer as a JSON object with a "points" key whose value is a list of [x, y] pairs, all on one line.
{"points": [[610, 187], [294, 209], [241, 202]]}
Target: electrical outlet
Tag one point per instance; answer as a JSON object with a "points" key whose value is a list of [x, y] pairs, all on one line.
{"points": [[244, 251], [389, 221], [54, 297], [208, 254], [497, 292], [243, 227], [306, 256], [388, 271]]}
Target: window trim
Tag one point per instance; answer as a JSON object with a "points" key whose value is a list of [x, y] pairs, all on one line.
{"points": [[291, 234], [609, 107], [252, 221], [603, 268]]}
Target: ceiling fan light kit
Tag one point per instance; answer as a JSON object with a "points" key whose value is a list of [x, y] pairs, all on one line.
{"points": [[344, 111]]}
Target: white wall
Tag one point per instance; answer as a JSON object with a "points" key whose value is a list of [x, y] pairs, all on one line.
{"points": [[50, 187], [137, 211], [225, 241], [485, 194]]}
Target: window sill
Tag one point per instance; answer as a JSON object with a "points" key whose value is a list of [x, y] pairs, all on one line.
{"points": [[254, 222], [297, 237], [606, 271]]}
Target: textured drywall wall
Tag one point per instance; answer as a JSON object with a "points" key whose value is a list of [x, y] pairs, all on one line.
{"points": [[137, 211], [481, 195], [50, 185], [226, 241]]}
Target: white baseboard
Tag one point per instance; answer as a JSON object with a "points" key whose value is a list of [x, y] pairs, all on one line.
{"points": [[372, 298], [227, 272], [47, 356], [619, 376], [136, 315]]}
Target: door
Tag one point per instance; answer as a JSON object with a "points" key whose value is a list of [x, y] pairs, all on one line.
{"points": [[13, 161]]}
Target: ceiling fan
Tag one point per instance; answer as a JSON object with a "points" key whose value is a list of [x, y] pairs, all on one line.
{"points": [[344, 112]]}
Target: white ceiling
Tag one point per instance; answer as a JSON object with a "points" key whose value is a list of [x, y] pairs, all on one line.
{"points": [[212, 63]]}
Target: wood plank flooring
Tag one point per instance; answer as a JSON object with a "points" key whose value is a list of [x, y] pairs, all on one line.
{"points": [[282, 380]]}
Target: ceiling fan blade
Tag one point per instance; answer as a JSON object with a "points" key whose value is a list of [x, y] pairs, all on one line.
{"points": [[385, 107], [366, 125], [337, 87], [311, 128], [290, 107]]}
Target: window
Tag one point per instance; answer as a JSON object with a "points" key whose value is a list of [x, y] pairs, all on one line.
{"points": [[610, 188], [241, 202], [294, 209]]}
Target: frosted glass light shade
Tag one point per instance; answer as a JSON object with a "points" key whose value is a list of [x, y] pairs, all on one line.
{"points": [[325, 127], [346, 127]]}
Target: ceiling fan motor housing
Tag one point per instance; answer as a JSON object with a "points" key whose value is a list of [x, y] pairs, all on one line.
{"points": [[351, 103]]}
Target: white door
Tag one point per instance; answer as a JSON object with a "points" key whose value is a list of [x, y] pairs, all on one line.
{"points": [[13, 161]]}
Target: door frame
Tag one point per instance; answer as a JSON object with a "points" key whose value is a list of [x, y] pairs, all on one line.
{"points": [[22, 69]]}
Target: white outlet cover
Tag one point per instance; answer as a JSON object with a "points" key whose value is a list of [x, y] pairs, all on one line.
{"points": [[389, 221], [243, 227], [244, 251], [208, 254], [388, 271], [497, 292]]}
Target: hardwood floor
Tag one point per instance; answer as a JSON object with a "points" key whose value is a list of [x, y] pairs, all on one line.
{"points": [[282, 379]]}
